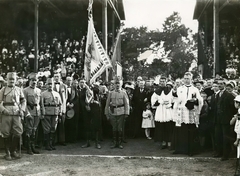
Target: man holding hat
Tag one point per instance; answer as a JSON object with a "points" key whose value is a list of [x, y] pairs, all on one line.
{"points": [[117, 108], [12, 107], [51, 104], [61, 88], [33, 96]]}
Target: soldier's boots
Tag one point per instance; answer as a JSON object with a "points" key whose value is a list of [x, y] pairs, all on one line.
{"points": [[34, 149], [52, 141], [47, 142], [15, 143], [8, 156], [87, 144], [120, 140], [7, 149], [115, 144], [33, 146], [97, 145], [29, 149], [15, 155]]}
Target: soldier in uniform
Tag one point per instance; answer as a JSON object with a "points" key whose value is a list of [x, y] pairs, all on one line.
{"points": [[51, 104], [12, 107], [116, 109], [32, 95]]}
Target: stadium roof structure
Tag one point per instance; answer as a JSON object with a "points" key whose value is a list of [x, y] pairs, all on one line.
{"points": [[52, 10], [218, 23]]}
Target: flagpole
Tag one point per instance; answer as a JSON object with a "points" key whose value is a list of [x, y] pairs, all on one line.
{"points": [[105, 31]]}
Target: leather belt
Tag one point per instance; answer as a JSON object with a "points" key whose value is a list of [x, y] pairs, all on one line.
{"points": [[118, 106], [8, 104], [32, 104], [49, 105]]}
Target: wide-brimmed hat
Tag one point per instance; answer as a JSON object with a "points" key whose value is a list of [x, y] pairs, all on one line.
{"points": [[130, 86], [198, 81], [170, 83], [70, 113]]}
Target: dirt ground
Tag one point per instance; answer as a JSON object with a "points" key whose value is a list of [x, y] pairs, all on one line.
{"points": [[139, 157]]}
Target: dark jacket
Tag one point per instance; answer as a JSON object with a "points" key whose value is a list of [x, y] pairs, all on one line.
{"points": [[138, 98], [225, 108]]}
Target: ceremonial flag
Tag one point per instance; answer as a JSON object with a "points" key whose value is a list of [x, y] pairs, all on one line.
{"points": [[96, 58], [116, 56]]}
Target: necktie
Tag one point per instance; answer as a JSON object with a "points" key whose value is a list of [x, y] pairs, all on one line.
{"points": [[69, 90]]}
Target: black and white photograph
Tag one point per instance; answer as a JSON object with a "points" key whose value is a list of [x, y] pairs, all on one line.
{"points": [[119, 87]]}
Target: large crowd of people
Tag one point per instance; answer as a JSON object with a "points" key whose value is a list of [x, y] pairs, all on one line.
{"points": [[185, 116], [57, 51]]}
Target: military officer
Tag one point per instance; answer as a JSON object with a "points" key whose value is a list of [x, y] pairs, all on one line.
{"points": [[12, 108], [51, 104], [116, 109], [32, 95]]}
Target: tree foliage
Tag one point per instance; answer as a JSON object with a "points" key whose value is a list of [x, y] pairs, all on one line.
{"points": [[176, 40]]}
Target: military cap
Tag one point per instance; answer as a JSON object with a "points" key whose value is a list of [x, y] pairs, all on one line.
{"points": [[11, 74], [117, 80], [49, 80], [33, 76]]}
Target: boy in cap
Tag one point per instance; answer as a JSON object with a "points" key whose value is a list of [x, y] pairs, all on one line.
{"points": [[12, 107], [33, 96]]}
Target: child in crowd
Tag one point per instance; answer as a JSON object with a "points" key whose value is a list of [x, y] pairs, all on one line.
{"points": [[148, 120], [236, 120]]}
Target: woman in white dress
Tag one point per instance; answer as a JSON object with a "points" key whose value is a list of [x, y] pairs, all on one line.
{"points": [[163, 102]]}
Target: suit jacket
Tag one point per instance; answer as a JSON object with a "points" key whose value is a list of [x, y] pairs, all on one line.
{"points": [[63, 94], [213, 107], [72, 96], [138, 98], [225, 108]]}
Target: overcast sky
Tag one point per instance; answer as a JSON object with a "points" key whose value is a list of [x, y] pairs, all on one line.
{"points": [[152, 13]]}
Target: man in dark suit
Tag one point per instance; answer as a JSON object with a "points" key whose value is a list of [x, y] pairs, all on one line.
{"points": [[225, 111], [139, 98], [61, 88], [71, 124], [85, 121], [213, 114]]}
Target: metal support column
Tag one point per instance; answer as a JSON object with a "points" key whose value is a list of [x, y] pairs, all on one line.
{"points": [[216, 65], [36, 3]]}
